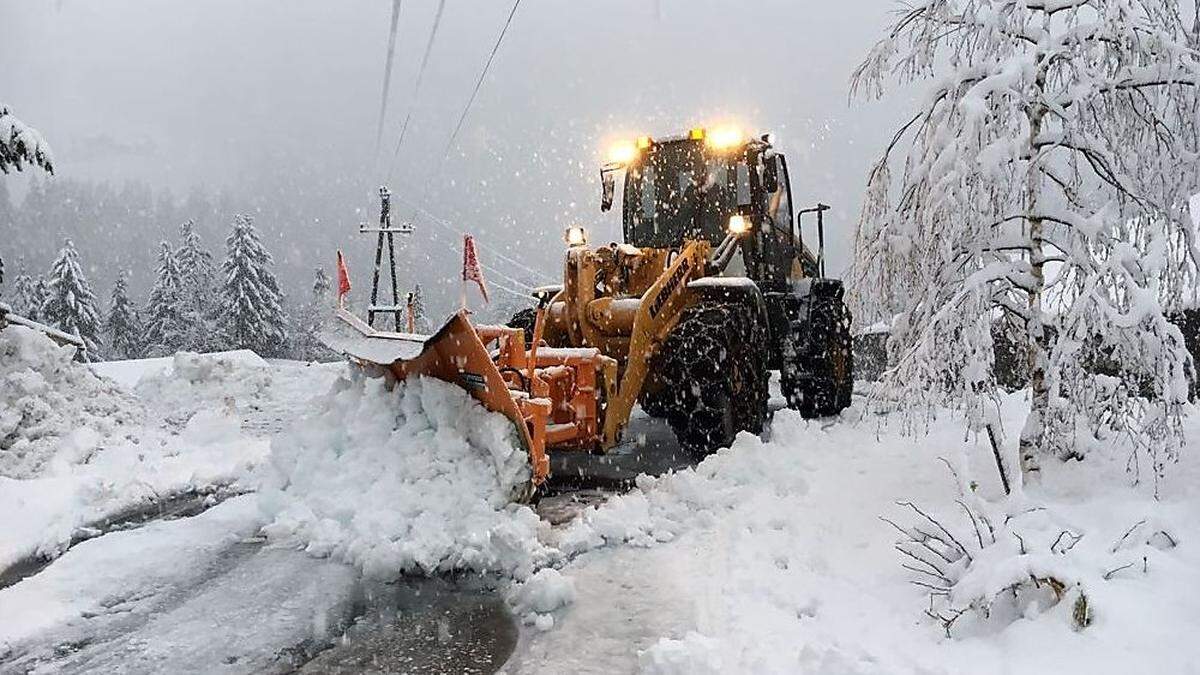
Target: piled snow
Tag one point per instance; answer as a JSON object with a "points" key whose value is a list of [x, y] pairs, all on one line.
{"points": [[537, 598], [75, 449], [782, 563], [41, 516], [53, 411], [415, 480], [237, 379]]}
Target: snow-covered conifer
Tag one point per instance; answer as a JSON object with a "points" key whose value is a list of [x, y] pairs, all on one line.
{"points": [[164, 326], [197, 289], [21, 144], [24, 298], [123, 326], [1044, 186], [251, 305], [308, 317], [418, 309], [321, 286], [70, 304]]}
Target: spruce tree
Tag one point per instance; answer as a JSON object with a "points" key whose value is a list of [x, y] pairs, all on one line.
{"points": [[164, 329], [70, 305], [251, 305], [123, 327], [321, 286], [306, 344], [39, 293], [196, 289], [418, 309]]}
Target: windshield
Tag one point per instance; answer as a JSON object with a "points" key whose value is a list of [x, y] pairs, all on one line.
{"points": [[680, 192]]}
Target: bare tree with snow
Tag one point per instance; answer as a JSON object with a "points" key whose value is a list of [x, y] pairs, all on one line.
{"points": [[1044, 186]]}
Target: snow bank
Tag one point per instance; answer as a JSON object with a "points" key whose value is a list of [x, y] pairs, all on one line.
{"points": [[53, 411], [76, 449], [41, 516], [237, 379], [413, 480], [779, 548]]}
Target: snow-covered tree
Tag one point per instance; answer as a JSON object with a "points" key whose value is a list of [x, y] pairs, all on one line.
{"points": [[418, 309], [251, 305], [70, 304], [164, 327], [197, 289], [123, 327], [21, 144], [1044, 186], [321, 287], [24, 298], [308, 318]]}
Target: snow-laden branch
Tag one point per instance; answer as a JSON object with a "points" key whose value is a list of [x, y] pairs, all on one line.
{"points": [[21, 144], [1042, 180]]}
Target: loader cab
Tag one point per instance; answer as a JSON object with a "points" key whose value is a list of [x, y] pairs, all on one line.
{"points": [[689, 187]]}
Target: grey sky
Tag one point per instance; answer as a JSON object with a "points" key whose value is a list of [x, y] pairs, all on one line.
{"points": [[218, 92]]}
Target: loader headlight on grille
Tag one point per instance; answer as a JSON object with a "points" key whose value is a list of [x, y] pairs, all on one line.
{"points": [[738, 224], [575, 236]]}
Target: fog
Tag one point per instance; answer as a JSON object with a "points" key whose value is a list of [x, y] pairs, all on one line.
{"points": [[278, 100]]}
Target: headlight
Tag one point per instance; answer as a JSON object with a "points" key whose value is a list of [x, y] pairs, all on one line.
{"points": [[622, 153], [738, 224], [724, 138], [575, 236]]}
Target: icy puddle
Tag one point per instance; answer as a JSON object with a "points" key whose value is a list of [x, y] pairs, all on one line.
{"points": [[423, 625]]}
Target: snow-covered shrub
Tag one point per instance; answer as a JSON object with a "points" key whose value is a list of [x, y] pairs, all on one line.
{"points": [[51, 405], [991, 564], [417, 479]]}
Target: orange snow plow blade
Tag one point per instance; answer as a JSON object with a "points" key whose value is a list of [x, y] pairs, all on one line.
{"points": [[551, 396]]}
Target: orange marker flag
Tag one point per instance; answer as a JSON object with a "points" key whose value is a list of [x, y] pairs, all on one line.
{"points": [[471, 268], [343, 278]]}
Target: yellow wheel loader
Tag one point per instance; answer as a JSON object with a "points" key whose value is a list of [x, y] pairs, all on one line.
{"points": [[711, 289]]}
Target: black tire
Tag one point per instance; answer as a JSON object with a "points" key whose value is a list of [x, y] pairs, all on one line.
{"points": [[714, 369], [524, 319], [656, 404], [817, 377]]}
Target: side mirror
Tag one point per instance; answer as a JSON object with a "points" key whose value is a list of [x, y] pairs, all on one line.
{"points": [[608, 189], [771, 174]]}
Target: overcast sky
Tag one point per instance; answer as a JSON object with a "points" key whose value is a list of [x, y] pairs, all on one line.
{"points": [[221, 92]]}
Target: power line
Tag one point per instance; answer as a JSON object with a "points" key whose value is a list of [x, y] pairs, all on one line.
{"points": [[437, 20], [446, 225], [387, 74], [479, 83]]}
